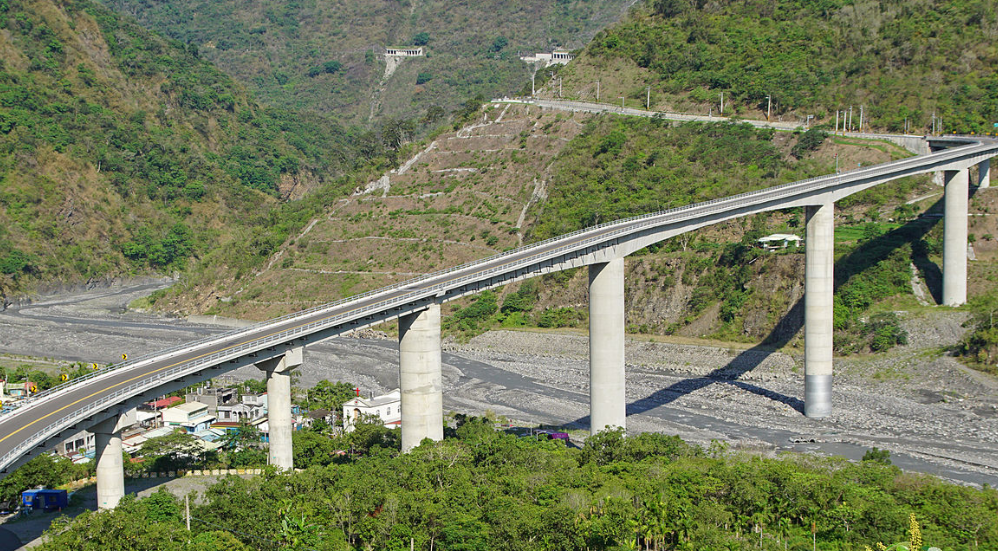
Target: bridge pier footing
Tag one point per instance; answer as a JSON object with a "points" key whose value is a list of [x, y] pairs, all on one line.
{"points": [[955, 237], [607, 400], [420, 377], [279, 422], [984, 174], [818, 315], [110, 462]]}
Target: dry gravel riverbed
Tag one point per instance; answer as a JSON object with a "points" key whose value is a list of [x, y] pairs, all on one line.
{"points": [[932, 413]]}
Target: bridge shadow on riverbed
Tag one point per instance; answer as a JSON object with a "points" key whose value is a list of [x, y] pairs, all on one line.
{"points": [[865, 256]]}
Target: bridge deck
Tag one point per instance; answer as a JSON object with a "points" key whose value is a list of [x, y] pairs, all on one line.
{"points": [[74, 403]]}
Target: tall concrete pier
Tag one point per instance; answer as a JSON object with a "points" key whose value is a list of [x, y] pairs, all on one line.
{"points": [[984, 173], [110, 464], [607, 401], [818, 316], [955, 237], [420, 377], [279, 422]]}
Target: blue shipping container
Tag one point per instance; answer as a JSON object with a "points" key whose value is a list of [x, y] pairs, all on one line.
{"points": [[44, 500]]}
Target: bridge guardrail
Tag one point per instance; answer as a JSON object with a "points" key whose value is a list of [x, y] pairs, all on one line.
{"points": [[426, 277], [622, 227]]}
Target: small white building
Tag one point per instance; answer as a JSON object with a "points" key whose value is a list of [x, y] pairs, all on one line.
{"points": [[387, 407], [79, 442], [192, 417], [255, 400], [405, 52], [239, 412], [779, 241], [557, 57]]}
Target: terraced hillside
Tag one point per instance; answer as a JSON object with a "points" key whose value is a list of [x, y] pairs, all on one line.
{"points": [[518, 174], [463, 197]]}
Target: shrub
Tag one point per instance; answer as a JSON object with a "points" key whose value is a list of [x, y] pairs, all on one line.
{"points": [[887, 332], [421, 39], [808, 141]]}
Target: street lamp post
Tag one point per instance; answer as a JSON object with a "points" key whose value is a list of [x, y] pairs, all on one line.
{"points": [[769, 106]]}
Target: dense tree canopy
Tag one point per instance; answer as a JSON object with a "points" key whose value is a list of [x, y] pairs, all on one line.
{"points": [[483, 489]]}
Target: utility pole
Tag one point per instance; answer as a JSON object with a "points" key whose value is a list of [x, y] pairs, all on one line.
{"points": [[187, 511], [769, 106], [836, 121], [597, 91], [559, 86], [722, 104], [648, 100], [861, 118], [850, 118], [621, 102], [533, 91]]}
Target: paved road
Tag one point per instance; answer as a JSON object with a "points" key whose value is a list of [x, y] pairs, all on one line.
{"points": [[590, 107]]}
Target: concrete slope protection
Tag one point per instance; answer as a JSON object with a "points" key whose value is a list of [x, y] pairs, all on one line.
{"points": [[103, 395]]}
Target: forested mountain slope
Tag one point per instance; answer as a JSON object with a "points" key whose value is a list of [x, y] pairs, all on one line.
{"points": [[122, 152], [901, 60], [326, 56]]}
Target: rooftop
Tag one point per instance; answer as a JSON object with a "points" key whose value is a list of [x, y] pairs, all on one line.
{"points": [[779, 237], [190, 407], [391, 397], [165, 402]]}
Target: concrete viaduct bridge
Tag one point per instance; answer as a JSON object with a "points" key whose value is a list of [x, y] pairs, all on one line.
{"points": [[104, 402]]}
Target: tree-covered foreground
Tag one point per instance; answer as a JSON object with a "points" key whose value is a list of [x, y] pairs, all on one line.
{"points": [[480, 489]]}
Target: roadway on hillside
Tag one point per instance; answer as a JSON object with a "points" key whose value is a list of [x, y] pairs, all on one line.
{"points": [[592, 107]]}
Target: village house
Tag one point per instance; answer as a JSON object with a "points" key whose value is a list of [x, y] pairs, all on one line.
{"points": [[387, 407], [192, 417]]}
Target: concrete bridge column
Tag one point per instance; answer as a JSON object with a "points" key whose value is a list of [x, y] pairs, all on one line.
{"points": [[420, 377], [955, 237], [281, 450], [110, 463], [607, 402], [818, 316], [984, 173]]}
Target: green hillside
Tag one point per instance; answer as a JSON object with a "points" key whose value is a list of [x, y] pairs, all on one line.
{"points": [[325, 56], [901, 60], [122, 153]]}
